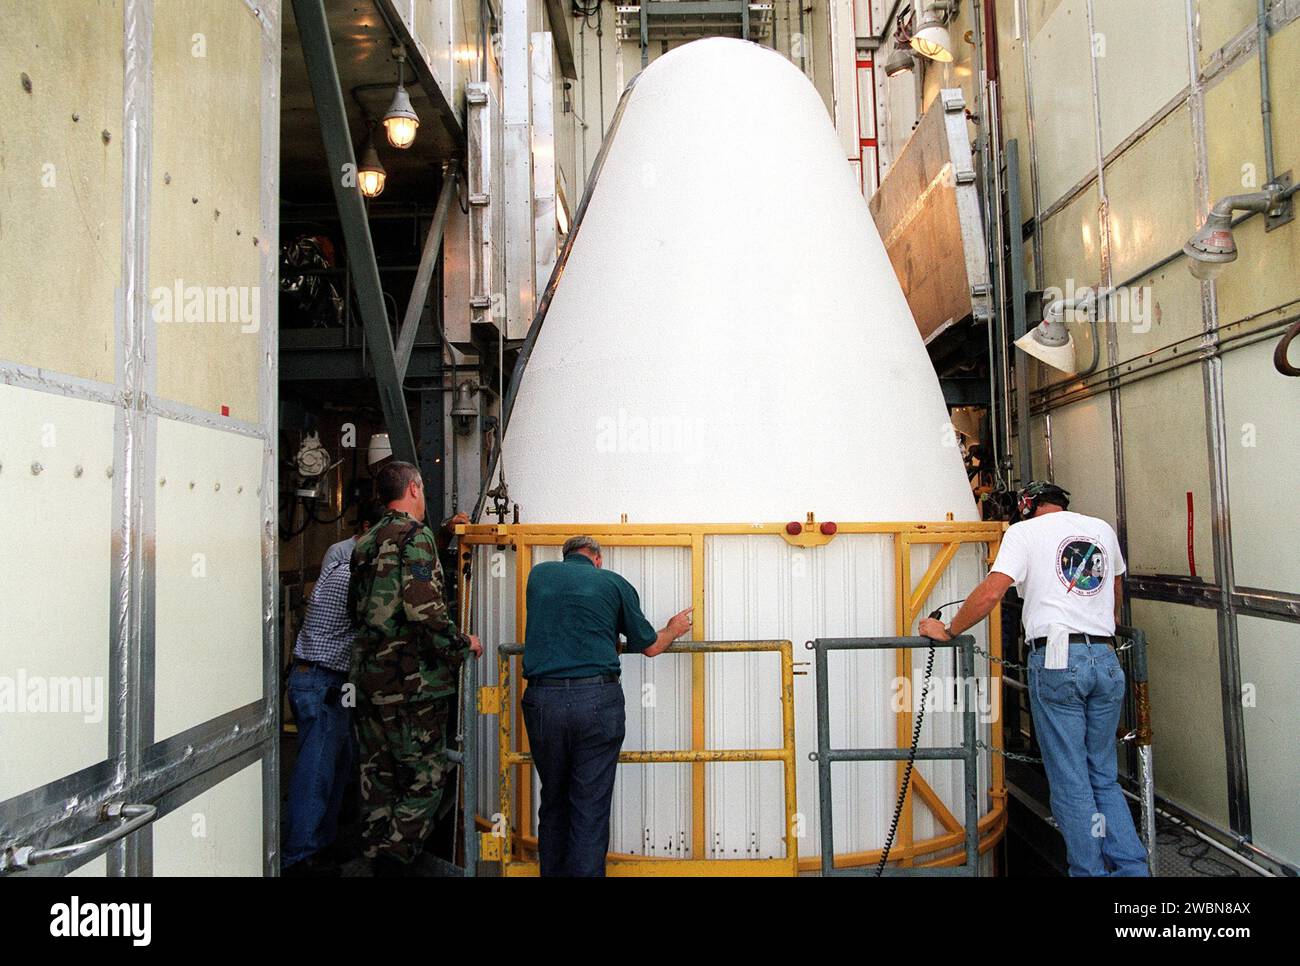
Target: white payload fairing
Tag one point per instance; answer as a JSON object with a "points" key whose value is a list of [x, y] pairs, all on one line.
{"points": [[726, 343]]}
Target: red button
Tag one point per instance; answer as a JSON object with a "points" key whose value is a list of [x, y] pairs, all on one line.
{"points": [[794, 528], [829, 529]]}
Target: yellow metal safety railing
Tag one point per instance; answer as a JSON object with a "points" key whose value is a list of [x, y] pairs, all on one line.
{"points": [[499, 843], [909, 599]]}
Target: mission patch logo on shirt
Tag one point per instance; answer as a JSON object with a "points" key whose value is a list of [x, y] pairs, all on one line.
{"points": [[1081, 565]]}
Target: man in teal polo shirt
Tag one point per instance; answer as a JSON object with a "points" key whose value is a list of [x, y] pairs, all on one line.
{"points": [[573, 707]]}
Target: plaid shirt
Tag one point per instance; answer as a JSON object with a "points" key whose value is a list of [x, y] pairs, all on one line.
{"points": [[327, 633]]}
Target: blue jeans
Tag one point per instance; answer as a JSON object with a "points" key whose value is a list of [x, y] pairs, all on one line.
{"points": [[1076, 710], [575, 734], [325, 763]]}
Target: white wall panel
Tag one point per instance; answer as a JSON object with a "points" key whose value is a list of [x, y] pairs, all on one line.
{"points": [[1186, 708], [216, 833], [1139, 69], [208, 635], [1081, 456], [1062, 92], [1270, 675], [56, 454], [1262, 408], [1164, 460]]}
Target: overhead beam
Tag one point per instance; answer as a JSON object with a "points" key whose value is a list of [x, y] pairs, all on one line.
{"points": [[559, 20], [424, 273], [318, 52]]}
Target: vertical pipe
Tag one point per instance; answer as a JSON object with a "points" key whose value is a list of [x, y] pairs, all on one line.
{"points": [[1142, 725], [1265, 99], [826, 818], [971, 757], [1237, 776], [698, 708], [997, 769], [523, 561], [1022, 15], [469, 763], [993, 153], [505, 771]]}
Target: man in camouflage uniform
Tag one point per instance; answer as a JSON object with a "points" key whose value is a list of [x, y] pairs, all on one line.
{"points": [[404, 667]]}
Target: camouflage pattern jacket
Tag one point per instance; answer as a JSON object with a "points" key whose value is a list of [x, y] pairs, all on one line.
{"points": [[407, 648]]}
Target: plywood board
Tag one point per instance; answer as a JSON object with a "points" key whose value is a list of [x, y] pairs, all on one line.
{"points": [[61, 184], [930, 223], [205, 230]]}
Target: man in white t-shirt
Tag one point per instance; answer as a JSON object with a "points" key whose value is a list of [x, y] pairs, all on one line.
{"points": [[1068, 569]]}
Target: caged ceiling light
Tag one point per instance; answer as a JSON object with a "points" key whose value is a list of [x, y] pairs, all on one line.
{"points": [[931, 38], [401, 121], [370, 172]]}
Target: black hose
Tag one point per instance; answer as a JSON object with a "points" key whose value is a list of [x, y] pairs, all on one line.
{"points": [[911, 754], [1280, 360]]}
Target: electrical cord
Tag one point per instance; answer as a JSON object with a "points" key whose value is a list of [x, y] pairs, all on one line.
{"points": [[911, 754]]}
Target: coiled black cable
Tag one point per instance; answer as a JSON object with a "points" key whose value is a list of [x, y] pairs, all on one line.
{"points": [[911, 754]]}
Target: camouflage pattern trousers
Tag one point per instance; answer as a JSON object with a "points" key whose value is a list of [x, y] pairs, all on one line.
{"points": [[404, 772]]}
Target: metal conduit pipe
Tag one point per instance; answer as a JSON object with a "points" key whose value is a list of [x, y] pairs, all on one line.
{"points": [[1265, 101]]}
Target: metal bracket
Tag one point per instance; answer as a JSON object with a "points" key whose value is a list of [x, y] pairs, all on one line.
{"points": [[952, 99], [489, 846], [1286, 213], [489, 700], [964, 175]]}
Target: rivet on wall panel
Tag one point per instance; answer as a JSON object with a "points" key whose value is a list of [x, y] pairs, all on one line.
{"points": [[75, 117], [191, 484], [162, 481], [216, 488], [167, 178], [36, 469], [26, 82], [108, 471], [77, 471], [105, 135]]}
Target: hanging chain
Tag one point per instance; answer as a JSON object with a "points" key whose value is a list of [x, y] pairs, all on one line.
{"points": [[1028, 759]]}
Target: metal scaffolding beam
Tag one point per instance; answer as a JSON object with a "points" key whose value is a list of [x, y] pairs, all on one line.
{"points": [[313, 29], [424, 273]]}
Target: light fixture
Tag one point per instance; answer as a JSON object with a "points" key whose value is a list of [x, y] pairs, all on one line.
{"points": [[900, 60], [931, 38], [401, 120], [1212, 246], [380, 449], [463, 410], [1049, 341], [370, 173]]}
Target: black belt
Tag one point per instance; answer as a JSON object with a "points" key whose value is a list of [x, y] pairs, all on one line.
{"points": [[1075, 639], [302, 665], [572, 682]]}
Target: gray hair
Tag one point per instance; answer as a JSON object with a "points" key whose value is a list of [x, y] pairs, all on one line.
{"points": [[574, 544]]}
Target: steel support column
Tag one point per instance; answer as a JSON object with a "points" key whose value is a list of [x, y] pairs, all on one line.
{"points": [[1019, 324], [317, 51], [424, 273]]}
